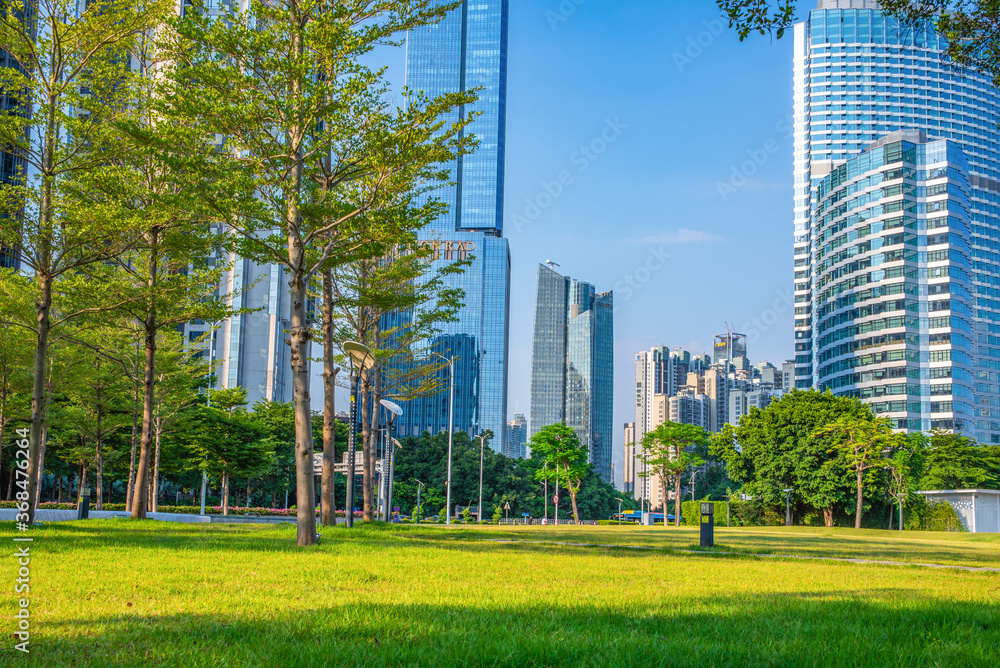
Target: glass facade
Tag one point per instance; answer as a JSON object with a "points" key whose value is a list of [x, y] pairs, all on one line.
{"points": [[517, 438], [12, 168], [468, 50], [894, 286], [572, 363], [859, 77]]}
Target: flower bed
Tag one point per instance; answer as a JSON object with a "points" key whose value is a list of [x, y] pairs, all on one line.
{"points": [[193, 510]]}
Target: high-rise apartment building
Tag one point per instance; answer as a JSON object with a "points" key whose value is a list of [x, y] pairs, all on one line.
{"points": [[572, 363], [465, 51], [892, 222], [628, 459], [517, 437]]}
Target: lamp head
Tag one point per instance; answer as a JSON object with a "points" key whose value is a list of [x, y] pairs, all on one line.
{"points": [[392, 407], [360, 354]]}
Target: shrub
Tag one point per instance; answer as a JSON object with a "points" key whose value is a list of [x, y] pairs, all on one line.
{"points": [[691, 512]]}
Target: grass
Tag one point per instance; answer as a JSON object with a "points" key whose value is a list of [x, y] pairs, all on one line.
{"points": [[122, 593]]}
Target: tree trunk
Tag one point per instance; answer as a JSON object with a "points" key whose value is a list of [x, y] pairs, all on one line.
{"points": [[156, 462], [857, 516], [100, 477], [100, 456], [677, 502], [305, 481], [663, 486], [82, 489], [43, 303], [572, 497], [139, 499], [225, 493], [248, 493], [828, 516], [130, 486], [328, 504]]}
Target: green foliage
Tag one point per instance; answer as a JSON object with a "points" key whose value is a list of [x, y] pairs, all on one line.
{"points": [[954, 461], [969, 26], [564, 459], [780, 448], [691, 512]]}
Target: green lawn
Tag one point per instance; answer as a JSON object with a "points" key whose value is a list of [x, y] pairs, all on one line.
{"points": [[114, 592]]}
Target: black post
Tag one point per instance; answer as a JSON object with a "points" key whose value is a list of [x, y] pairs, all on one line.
{"points": [[708, 525], [83, 508], [351, 435]]}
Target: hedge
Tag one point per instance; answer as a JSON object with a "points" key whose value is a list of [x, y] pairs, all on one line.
{"points": [[691, 512]]}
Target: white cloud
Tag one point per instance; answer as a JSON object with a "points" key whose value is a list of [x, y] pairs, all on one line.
{"points": [[684, 236]]}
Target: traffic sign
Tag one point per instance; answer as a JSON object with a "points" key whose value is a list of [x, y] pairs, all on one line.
{"points": [[506, 506], [555, 499]]}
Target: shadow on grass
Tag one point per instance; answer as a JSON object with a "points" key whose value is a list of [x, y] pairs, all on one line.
{"points": [[882, 628]]}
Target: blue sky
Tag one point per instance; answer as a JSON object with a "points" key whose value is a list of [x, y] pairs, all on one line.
{"points": [[682, 202]]}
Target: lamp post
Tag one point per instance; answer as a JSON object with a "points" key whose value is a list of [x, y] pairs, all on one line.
{"points": [[208, 402], [394, 444], [394, 411], [362, 358], [788, 507], [451, 428], [419, 485], [482, 447], [693, 474], [620, 501]]}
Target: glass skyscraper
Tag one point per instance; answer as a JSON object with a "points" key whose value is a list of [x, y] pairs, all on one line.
{"points": [[897, 231], [572, 363], [468, 50]]}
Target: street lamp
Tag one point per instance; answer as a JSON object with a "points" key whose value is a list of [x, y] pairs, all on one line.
{"points": [[482, 447], [788, 507], [693, 474], [208, 402], [362, 358], [419, 485], [620, 501], [394, 411], [394, 444], [451, 428]]}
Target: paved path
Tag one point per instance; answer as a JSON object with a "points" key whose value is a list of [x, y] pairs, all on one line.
{"points": [[704, 553]]}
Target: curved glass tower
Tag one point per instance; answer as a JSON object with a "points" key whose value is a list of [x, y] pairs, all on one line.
{"points": [[858, 78]]}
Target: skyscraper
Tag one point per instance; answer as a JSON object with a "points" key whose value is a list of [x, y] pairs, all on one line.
{"points": [[250, 346], [881, 231], [465, 51], [572, 363], [517, 437]]}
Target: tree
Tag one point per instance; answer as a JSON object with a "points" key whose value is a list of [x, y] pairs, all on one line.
{"points": [[972, 27], [70, 82], [309, 143], [906, 463], [954, 461], [668, 452], [558, 446], [391, 300], [861, 440], [230, 445], [775, 449]]}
